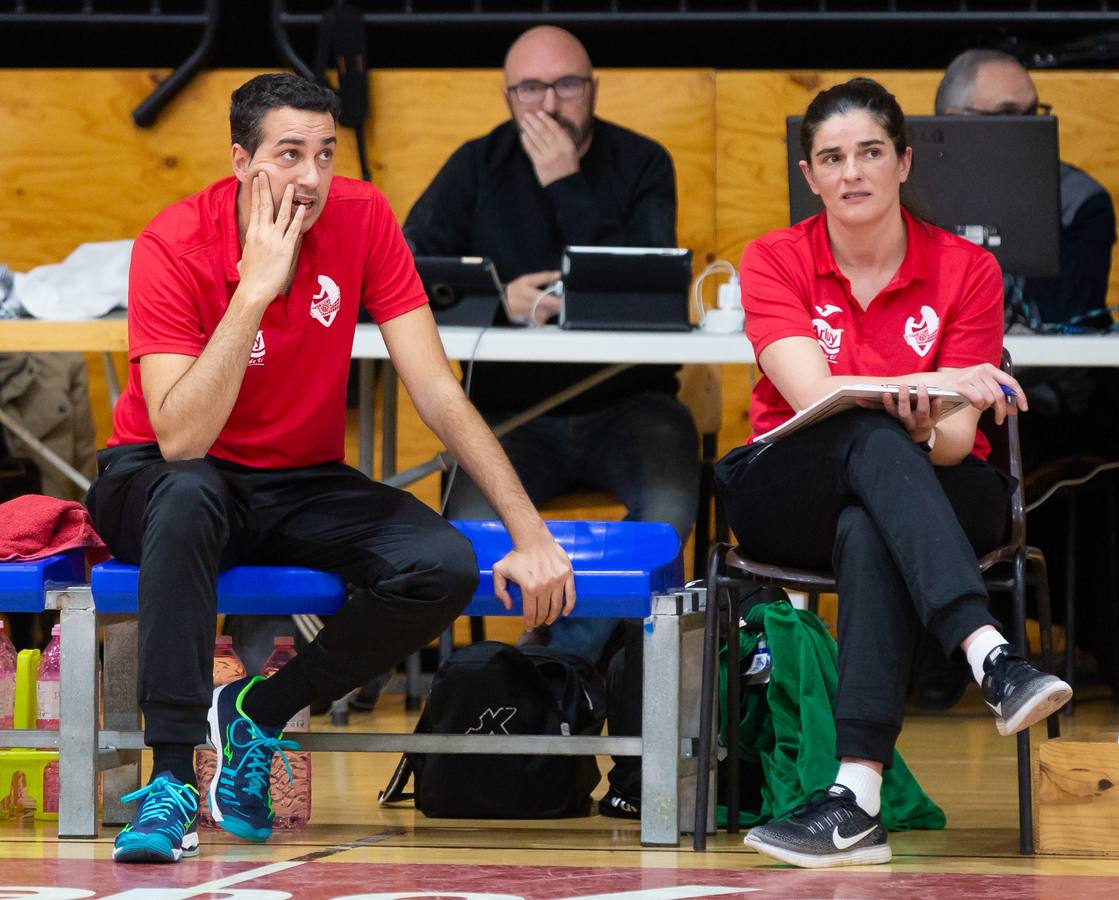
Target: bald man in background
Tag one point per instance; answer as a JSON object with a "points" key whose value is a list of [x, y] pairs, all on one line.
{"points": [[554, 175]]}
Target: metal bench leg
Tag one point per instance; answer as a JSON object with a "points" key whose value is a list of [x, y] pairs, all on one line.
{"points": [[660, 732], [122, 713], [77, 777]]}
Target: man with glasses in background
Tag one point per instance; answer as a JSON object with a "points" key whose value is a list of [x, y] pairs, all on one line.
{"points": [[1070, 409], [555, 175]]}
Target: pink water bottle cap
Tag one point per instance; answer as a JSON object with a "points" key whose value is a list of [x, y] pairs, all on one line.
{"points": [[224, 641], [56, 631], [283, 641]]}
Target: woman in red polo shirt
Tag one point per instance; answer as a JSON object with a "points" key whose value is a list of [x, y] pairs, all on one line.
{"points": [[897, 504]]}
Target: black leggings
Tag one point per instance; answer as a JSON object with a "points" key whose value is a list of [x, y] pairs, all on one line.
{"points": [[855, 494], [410, 572]]}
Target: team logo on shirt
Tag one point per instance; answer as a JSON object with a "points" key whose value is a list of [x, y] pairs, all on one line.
{"points": [[828, 309], [326, 303], [256, 355], [922, 335], [828, 338]]}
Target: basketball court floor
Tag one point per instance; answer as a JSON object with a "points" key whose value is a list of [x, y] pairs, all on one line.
{"points": [[355, 849]]}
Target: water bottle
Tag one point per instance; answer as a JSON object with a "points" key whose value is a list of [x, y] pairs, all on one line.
{"points": [[7, 679], [227, 668], [291, 798], [47, 690]]}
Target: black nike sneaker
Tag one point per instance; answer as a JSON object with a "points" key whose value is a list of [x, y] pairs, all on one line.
{"points": [[831, 829], [1018, 693]]}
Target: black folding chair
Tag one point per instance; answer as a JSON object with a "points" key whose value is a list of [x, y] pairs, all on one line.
{"points": [[1009, 568]]}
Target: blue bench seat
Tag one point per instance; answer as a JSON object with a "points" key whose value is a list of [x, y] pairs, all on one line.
{"points": [[23, 585], [245, 590], [618, 568]]}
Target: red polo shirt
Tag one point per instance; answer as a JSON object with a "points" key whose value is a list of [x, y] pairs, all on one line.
{"points": [[942, 308], [291, 410]]}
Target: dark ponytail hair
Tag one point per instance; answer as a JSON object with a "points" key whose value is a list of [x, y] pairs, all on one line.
{"points": [[869, 96]]}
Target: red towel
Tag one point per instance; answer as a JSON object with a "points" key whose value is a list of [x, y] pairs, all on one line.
{"points": [[34, 526]]}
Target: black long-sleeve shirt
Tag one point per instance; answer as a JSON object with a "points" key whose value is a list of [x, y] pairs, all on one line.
{"points": [[486, 201], [1087, 235]]}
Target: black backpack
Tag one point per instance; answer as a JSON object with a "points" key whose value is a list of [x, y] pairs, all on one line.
{"points": [[492, 688]]}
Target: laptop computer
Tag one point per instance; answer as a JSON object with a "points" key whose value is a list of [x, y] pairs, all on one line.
{"points": [[626, 288]]}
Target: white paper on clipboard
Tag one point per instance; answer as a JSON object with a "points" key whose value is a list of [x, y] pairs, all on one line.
{"points": [[855, 396]]}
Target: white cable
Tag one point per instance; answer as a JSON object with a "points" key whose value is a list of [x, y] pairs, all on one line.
{"points": [[468, 377], [1072, 482], [553, 288], [719, 265]]}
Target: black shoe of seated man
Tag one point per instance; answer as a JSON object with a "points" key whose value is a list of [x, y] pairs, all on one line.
{"points": [[829, 830], [1018, 693], [618, 806]]}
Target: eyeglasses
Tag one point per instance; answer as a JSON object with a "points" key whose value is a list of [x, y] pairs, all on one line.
{"points": [[531, 92], [1035, 109]]}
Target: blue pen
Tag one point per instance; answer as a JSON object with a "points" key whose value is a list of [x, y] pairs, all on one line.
{"points": [[1009, 393]]}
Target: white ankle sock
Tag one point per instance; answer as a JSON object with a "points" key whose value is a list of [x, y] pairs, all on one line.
{"points": [[980, 649], [864, 783]]}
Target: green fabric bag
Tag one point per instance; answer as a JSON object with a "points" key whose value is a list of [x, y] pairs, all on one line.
{"points": [[788, 726]]}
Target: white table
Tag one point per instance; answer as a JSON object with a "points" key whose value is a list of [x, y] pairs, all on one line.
{"points": [[552, 344], [547, 344]]}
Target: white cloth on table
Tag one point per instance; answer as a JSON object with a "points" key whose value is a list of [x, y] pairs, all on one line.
{"points": [[90, 282]]}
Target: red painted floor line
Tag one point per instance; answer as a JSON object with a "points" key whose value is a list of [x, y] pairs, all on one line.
{"points": [[75, 879]]}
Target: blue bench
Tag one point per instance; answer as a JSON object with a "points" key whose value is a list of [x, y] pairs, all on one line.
{"points": [[623, 569], [618, 566]]}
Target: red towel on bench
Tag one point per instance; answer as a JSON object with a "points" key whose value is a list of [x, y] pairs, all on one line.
{"points": [[34, 526]]}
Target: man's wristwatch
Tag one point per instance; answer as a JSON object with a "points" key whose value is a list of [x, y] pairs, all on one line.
{"points": [[930, 443]]}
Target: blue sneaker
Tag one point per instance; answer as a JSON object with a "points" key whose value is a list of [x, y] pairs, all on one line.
{"points": [[164, 828], [239, 798]]}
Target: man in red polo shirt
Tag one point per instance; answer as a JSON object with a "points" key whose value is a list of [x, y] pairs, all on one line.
{"points": [[227, 449]]}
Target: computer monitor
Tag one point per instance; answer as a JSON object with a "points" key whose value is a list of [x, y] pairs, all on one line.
{"points": [[992, 179]]}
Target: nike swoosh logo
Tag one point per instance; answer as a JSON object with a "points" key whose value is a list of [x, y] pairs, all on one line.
{"points": [[842, 843], [996, 708]]}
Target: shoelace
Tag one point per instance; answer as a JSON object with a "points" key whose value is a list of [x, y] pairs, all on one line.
{"points": [[256, 765], [163, 796], [815, 801]]}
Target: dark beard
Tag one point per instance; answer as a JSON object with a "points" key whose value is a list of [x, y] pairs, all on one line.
{"points": [[577, 134]]}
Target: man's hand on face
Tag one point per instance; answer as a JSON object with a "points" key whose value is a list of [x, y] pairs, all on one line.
{"points": [[271, 240], [543, 573], [521, 294], [550, 148]]}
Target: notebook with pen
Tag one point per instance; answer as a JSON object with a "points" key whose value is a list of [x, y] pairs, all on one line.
{"points": [[856, 396]]}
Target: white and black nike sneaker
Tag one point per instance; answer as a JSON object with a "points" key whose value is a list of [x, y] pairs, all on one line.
{"points": [[1018, 693], [829, 830]]}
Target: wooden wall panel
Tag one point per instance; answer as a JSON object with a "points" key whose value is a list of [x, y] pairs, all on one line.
{"points": [[77, 169]]}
